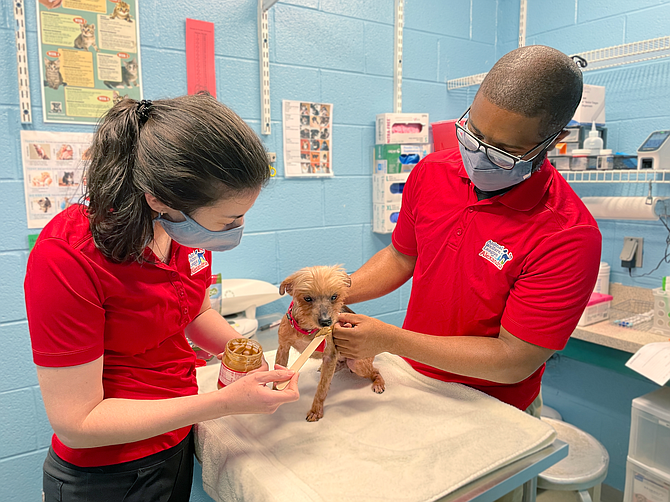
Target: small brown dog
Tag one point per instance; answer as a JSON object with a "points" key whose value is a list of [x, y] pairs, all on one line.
{"points": [[318, 298]]}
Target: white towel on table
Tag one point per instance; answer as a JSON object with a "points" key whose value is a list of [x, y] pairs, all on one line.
{"points": [[418, 441]]}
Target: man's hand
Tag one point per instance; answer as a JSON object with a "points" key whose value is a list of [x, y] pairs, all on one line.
{"points": [[358, 336]]}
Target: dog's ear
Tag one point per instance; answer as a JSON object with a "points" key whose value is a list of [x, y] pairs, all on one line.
{"points": [[286, 286], [346, 278]]}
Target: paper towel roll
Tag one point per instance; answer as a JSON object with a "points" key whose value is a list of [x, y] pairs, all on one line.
{"points": [[621, 208]]}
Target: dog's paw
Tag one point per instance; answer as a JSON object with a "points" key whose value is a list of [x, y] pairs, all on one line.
{"points": [[314, 415], [378, 388]]}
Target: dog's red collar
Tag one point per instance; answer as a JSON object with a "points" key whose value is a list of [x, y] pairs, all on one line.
{"points": [[296, 326]]}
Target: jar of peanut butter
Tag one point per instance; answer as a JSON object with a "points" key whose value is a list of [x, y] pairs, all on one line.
{"points": [[241, 356]]}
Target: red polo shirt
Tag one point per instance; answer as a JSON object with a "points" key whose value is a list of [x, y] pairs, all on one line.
{"points": [[527, 260], [82, 306]]}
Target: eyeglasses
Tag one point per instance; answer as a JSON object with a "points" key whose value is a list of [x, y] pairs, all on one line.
{"points": [[499, 157]]}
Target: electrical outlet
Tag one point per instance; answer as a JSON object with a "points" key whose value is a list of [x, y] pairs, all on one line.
{"points": [[631, 254], [272, 157]]}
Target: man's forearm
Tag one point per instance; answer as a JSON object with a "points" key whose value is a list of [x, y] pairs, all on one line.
{"points": [[386, 271], [487, 358]]}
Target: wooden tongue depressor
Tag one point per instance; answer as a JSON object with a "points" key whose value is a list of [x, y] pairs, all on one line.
{"points": [[300, 362]]}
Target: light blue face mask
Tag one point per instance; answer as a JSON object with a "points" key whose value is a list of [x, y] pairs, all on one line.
{"points": [[487, 176], [190, 233]]}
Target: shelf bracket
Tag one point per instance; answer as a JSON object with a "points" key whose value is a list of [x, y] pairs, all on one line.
{"points": [[523, 14], [264, 63], [397, 55], [22, 63]]}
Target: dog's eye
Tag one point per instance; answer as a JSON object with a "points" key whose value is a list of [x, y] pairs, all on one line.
{"points": [[308, 299], [333, 298]]}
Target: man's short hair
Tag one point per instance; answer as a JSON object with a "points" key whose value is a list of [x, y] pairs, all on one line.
{"points": [[536, 81]]}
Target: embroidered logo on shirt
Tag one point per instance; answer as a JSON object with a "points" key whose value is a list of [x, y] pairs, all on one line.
{"points": [[196, 259], [496, 254]]}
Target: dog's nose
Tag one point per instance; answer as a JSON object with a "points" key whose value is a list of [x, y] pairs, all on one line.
{"points": [[324, 322]]}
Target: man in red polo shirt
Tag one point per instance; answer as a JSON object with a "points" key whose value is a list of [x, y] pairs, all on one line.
{"points": [[503, 254]]}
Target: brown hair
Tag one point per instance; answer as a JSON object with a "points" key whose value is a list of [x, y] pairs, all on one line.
{"points": [[189, 152]]}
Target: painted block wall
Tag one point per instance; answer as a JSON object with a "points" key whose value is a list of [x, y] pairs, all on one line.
{"points": [[334, 51], [348, 61]]}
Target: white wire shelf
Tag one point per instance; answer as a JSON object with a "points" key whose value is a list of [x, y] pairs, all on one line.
{"points": [[623, 176], [634, 52], [598, 59], [458, 83]]}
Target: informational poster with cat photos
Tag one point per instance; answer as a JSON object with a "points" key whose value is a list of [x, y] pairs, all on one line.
{"points": [[308, 139], [53, 172], [89, 57]]}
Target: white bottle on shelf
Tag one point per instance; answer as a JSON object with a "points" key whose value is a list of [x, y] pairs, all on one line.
{"points": [[594, 142]]}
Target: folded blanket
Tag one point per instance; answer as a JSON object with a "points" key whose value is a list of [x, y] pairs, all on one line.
{"points": [[418, 441]]}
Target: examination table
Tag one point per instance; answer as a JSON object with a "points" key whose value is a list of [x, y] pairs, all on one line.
{"points": [[421, 440]]}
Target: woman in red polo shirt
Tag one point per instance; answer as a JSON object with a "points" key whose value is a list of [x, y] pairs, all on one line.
{"points": [[113, 289]]}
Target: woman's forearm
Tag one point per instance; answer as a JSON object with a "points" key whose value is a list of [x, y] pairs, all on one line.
{"points": [[210, 331], [116, 421]]}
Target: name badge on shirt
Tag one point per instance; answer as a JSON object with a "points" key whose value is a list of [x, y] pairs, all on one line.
{"points": [[197, 261], [496, 254]]}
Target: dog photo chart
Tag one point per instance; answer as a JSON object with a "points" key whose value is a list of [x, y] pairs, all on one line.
{"points": [[53, 170], [89, 57], [308, 139]]}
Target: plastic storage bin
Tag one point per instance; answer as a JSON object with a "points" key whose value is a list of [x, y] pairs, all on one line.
{"points": [[650, 430], [598, 309], [605, 160], [661, 323], [645, 484], [625, 162], [582, 160], [562, 163]]}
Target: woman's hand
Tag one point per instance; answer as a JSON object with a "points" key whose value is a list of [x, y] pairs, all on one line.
{"points": [[265, 366], [251, 394], [357, 336]]}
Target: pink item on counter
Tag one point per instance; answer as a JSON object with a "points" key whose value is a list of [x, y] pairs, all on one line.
{"points": [[597, 298]]}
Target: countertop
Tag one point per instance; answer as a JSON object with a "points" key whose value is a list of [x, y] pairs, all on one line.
{"points": [[607, 334]]}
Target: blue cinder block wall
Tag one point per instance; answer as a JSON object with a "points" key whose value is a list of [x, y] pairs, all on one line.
{"points": [[595, 399], [340, 52]]}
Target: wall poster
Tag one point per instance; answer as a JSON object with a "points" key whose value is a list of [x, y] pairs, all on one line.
{"points": [[308, 139], [53, 172], [89, 57]]}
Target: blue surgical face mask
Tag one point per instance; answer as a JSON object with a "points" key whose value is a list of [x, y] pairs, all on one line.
{"points": [[487, 176], [190, 233]]}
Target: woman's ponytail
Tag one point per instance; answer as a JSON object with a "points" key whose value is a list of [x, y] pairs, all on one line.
{"points": [[120, 218]]}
